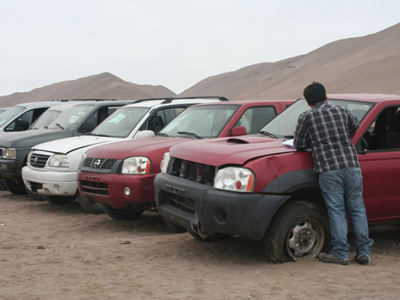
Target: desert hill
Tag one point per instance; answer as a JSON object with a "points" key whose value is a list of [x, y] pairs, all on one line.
{"points": [[369, 64], [104, 85]]}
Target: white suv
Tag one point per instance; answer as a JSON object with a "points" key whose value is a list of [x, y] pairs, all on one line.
{"points": [[52, 167]]}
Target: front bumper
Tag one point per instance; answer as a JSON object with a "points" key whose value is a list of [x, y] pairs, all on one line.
{"points": [[207, 211], [50, 183], [109, 188], [9, 167]]}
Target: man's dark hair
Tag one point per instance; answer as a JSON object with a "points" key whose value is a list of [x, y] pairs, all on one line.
{"points": [[314, 93]]}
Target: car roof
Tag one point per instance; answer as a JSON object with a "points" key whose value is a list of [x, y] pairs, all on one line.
{"points": [[247, 102], [163, 102], [365, 97]]}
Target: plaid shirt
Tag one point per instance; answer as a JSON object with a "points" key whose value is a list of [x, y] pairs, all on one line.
{"points": [[327, 130]]}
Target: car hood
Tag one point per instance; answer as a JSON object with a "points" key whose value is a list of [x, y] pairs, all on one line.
{"points": [[143, 147], [70, 144], [30, 138], [238, 150]]}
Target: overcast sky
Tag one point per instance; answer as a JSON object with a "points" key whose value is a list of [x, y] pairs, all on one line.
{"points": [[174, 43]]}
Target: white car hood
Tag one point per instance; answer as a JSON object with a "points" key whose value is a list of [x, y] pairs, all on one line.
{"points": [[67, 145]]}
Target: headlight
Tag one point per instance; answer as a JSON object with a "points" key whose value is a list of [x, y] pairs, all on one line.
{"points": [[59, 160], [136, 165], [9, 153], [164, 163], [235, 179]]}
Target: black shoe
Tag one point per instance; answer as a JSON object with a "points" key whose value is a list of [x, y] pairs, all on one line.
{"points": [[362, 260], [332, 259]]}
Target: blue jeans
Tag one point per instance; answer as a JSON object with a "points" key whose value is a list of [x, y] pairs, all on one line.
{"points": [[342, 191]]}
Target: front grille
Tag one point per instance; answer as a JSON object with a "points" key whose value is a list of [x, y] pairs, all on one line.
{"points": [[192, 171], [1, 152], [38, 160], [92, 187], [180, 202], [88, 162], [99, 163]]}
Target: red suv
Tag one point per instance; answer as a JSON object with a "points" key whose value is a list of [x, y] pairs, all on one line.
{"points": [[118, 178], [256, 187]]}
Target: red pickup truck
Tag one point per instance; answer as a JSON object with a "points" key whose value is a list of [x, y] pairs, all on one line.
{"points": [[258, 188], [118, 178]]}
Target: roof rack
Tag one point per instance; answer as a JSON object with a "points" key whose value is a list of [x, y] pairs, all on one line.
{"points": [[67, 100], [170, 99]]}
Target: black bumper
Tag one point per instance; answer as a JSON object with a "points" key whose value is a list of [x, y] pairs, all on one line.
{"points": [[208, 211], [8, 167]]}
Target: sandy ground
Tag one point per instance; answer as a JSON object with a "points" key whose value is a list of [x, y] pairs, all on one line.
{"points": [[58, 252]]}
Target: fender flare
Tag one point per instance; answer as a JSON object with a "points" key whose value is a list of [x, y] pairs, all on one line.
{"points": [[292, 181]]}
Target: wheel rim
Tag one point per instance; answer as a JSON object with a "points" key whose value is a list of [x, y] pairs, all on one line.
{"points": [[305, 239]]}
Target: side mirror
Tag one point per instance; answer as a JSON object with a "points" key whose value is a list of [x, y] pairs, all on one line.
{"points": [[238, 131], [144, 134]]}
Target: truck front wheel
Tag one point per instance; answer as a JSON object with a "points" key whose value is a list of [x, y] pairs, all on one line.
{"points": [[299, 230], [14, 187]]}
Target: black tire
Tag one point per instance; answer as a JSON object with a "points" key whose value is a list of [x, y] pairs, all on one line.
{"points": [[2, 186], [173, 227], [34, 196], [299, 230], [59, 200], [87, 206], [123, 214], [14, 187]]}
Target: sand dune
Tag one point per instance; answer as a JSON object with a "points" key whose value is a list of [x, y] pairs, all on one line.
{"points": [[104, 85], [369, 64]]}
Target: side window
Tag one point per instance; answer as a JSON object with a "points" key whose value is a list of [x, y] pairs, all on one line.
{"points": [[384, 132], [255, 118], [21, 123], [37, 113], [89, 124], [104, 112], [162, 118]]}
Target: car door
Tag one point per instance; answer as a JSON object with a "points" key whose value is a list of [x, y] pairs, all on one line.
{"points": [[380, 166]]}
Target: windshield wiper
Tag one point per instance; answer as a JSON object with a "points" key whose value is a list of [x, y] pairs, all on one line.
{"points": [[98, 134], [288, 136], [162, 134], [190, 134], [59, 125], [268, 134]]}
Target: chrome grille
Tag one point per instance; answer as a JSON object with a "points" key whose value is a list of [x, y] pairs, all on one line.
{"points": [[98, 188], [38, 160], [104, 163]]}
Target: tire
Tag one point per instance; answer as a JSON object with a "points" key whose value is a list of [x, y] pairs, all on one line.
{"points": [[173, 227], [2, 186], [88, 207], [299, 230], [59, 200], [34, 196], [14, 187], [123, 214]]}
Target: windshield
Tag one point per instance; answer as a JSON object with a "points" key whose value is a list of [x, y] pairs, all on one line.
{"points": [[284, 124], [71, 117], [200, 121], [46, 118], [10, 114], [121, 122]]}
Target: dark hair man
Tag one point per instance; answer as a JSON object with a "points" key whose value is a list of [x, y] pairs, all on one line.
{"points": [[327, 130]]}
